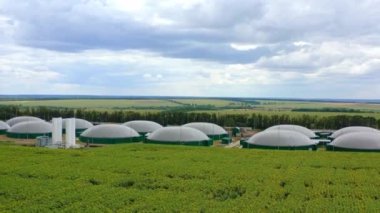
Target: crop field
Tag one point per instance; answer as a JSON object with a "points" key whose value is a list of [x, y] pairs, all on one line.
{"points": [[213, 102], [119, 103], [294, 109], [289, 105], [94, 104], [286, 112], [146, 178], [266, 105]]}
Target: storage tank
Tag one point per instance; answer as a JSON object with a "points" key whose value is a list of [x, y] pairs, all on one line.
{"points": [[3, 127], [351, 129], [30, 129], [179, 135], [356, 141], [13, 121], [110, 134], [213, 131], [143, 126], [303, 130], [280, 139]]}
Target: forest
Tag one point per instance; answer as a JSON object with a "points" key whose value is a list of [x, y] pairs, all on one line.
{"points": [[255, 120]]}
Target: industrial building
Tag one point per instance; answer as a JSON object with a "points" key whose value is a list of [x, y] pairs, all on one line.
{"points": [[110, 134], [80, 125], [179, 135], [3, 127], [30, 129], [303, 130], [280, 139], [13, 121], [356, 141], [142, 126], [213, 131], [352, 129]]}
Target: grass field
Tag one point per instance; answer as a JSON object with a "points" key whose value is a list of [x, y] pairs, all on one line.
{"points": [[213, 102], [93, 104], [146, 178], [121, 103], [269, 107], [286, 112], [289, 105]]}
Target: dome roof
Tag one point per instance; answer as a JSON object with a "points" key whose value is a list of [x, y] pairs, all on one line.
{"points": [[143, 126], [16, 120], [178, 134], [207, 128], [4, 126], [358, 140], [280, 138], [351, 129], [300, 129], [109, 131], [79, 123], [31, 127]]}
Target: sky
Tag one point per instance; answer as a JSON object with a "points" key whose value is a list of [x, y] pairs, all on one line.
{"points": [[212, 48]]}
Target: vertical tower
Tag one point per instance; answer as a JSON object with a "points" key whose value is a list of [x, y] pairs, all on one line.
{"points": [[57, 131], [70, 133]]}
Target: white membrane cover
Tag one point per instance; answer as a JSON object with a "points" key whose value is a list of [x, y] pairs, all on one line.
{"points": [[297, 128], [358, 140], [179, 133], [280, 138], [110, 131], [143, 126], [207, 128]]}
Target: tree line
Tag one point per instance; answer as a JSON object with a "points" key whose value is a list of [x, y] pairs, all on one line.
{"points": [[256, 120], [326, 109]]}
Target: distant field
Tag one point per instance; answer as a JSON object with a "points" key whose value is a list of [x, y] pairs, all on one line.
{"points": [[287, 112], [263, 104], [93, 104], [213, 102], [146, 178], [289, 105], [216, 105]]}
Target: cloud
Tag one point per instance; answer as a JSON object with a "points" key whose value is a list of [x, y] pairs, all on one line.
{"points": [[198, 47], [197, 29]]}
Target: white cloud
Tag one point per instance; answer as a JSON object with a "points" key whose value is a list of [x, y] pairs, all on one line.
{"points": [[196, 47], [244, 47], [302, 43]]}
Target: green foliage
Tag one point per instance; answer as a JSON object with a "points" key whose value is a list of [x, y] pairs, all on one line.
{"points": [[326, 110], [256, 120], [148, 178]]}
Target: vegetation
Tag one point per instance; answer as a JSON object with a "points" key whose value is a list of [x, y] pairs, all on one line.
{"points": [[326, 110], [256, 120], [211, 102], [146, 178], [104, 104], [195, 103], [289, 105], [258, 114]]}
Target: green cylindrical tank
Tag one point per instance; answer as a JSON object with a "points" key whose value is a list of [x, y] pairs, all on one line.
{"points": [[226, 140], [235, 131]]}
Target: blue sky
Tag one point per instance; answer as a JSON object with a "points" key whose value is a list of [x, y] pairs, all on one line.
{"points": [[251, 48]]}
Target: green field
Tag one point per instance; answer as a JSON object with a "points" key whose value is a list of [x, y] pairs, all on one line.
{"points": [[120, 103], [289, 105], [213, 102], [285, 112], [94, 103], [263, 105], [147, 178], [209, 105]]}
